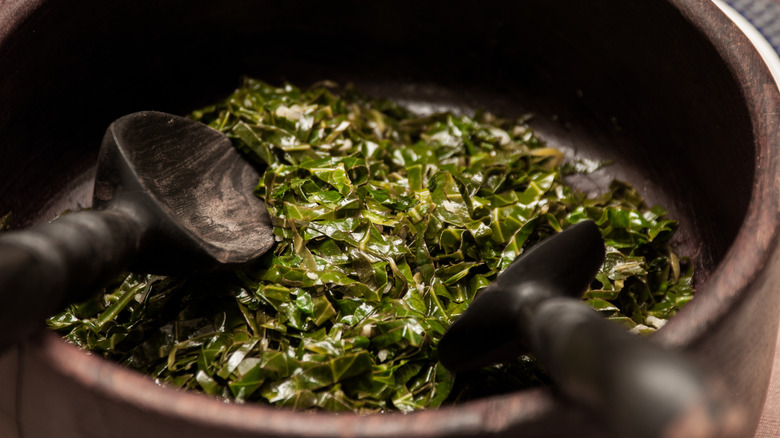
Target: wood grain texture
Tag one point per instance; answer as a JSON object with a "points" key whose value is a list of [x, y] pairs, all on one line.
{"points": [[769, 424]]}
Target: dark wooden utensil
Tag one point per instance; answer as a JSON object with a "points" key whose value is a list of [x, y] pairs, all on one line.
{"points": [[171, 195], [638, 388]]}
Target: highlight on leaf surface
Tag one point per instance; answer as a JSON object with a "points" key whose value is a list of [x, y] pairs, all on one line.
{"points": [[388, 225]]}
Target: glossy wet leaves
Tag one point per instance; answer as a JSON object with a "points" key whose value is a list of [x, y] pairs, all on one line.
{"points": [[388, 224]]}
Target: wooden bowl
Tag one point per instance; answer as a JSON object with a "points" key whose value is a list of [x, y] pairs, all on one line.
{"points": [[671, 90]]}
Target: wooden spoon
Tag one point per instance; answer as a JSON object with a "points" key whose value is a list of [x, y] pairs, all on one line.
{"points": [[171, 196], [635, 387]]}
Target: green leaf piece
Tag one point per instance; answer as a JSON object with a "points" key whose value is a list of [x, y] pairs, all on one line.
{"points": [[388, 224]]}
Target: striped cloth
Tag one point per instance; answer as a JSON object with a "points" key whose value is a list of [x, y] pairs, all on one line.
{"points": [[764, 15]]}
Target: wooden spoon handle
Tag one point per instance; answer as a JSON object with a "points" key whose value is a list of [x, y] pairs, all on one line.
{"points": [[640, 388], [63, 261]]}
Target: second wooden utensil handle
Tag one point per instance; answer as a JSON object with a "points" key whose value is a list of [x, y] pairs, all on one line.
{"points": [[641, 389]]}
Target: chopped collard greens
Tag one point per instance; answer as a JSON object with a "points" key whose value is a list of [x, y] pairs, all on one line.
{"points": [[387, 224]]}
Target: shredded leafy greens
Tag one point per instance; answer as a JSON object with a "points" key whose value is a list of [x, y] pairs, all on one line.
{"points": [[388, 224]]}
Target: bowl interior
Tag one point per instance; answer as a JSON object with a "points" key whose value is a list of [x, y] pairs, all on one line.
{"points": [[655, 99]]}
